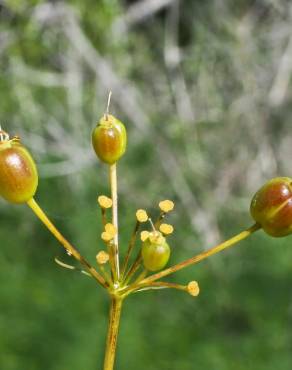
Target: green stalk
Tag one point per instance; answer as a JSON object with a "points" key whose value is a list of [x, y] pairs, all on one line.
{"points": [[112, 336]]}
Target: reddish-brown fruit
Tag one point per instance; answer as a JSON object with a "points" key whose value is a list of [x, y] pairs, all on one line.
{"points": [[18, 172], [109, 139], [271, 207]]}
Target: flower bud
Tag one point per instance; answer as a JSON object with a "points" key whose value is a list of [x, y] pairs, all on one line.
{"points": [[141, 215], [271, 207], [18, 172], [104, 202], [166, 229], [102, 257], [166, 205], [155, 251], [109, 139], [193, 288]]}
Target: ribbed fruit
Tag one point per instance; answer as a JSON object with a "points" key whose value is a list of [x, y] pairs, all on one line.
{"points": [[271, 206], [109, 139], [18, 172]]}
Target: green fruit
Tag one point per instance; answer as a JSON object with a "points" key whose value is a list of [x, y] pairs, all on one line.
{"points": [[109, 139], [155, 251], [271, 207], [18, 172]]}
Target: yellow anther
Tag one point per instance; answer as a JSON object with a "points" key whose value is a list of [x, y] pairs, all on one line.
{"points": [[104, 201], [166, 229], [144, 235], [110, 229], [166, 205], [106, 237], [193, 288], [141, 215], [102, 257], [156, 237]]}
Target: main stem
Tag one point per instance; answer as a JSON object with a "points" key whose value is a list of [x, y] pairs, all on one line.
{"points": [[112, 336], [114, 195]]}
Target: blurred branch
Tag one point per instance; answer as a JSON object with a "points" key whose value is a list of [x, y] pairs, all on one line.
{"points": [[6, 39], [67, 167], [178, 86], [74, 93], [281, 82], [172, 58], [125, 95], [202, 221], [65, 143], [138, 12], [37, 77]]}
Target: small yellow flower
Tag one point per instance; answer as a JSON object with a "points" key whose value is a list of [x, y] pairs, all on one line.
{"points": [[166, 205], [193, 288], [141, 215], [104, 201], [110, 229], [102, 257], [106, 237], [166, 229]]}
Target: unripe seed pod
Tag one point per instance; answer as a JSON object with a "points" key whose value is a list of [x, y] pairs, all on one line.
{"points": [[271, 207], [18, 172], [155, 251], [109, 139]]}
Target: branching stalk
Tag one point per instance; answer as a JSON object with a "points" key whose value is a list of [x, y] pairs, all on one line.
{"points": [[130, 248], [103, 216], [133, 269], [162, 285], [218, 248], [105, 274], [159, 220], [141, 276], [70, 267], [68, 246]]}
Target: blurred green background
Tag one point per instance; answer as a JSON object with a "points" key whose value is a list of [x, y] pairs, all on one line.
{"points": [[204, 90]]}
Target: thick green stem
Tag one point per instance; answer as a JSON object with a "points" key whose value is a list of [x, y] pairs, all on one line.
{"points": [[112, 336]]}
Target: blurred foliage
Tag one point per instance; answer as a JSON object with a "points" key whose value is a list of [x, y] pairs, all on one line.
{"points": [[204, 89]]}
